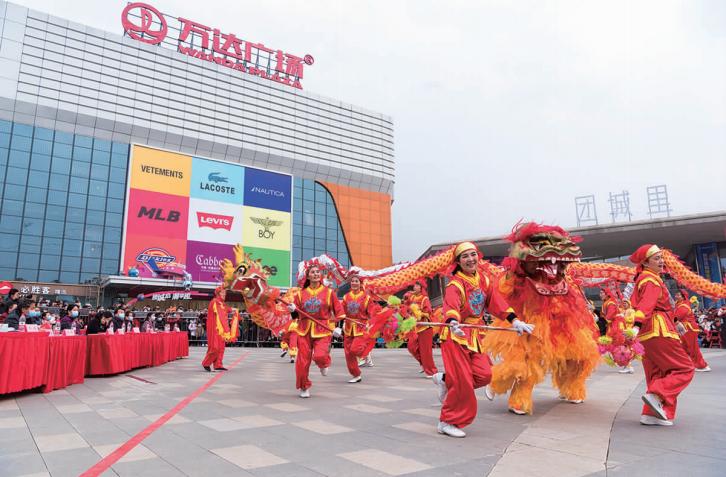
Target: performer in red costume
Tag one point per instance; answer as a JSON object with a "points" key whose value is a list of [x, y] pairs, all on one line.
{"points": [[288, 343], [219, 330], [610, 308], [422, 342], [668, 369], [469, 293], [688, 329], [358, 306], [313, 342]]}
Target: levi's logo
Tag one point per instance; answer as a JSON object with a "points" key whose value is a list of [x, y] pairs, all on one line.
{"points": [[214, 221]]}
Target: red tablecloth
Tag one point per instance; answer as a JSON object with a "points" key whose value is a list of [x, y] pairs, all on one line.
{"points": [[66, 362], [23, 359], [112, 354]]}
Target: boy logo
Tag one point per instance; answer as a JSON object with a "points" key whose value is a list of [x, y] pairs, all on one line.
{"points": [[267, 223]]}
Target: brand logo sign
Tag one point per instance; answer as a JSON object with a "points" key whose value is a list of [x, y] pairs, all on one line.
{"points": [[267, 190], [158, 254], [266, 224], [160, 171], [204, 258], [139, 19], [144, 23], [216, 183], [214, 221], [155, 213]]}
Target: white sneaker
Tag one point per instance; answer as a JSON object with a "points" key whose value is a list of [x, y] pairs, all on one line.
{"points": [[362, 363], [449, 430], [324, 371], [488, 393], [652, 401], [420, 371], [305, 393], [428, 376], [707, 369], [647, 420], [516, 411], [368, 362], [357, 379], [626, 370], [438, 380]]}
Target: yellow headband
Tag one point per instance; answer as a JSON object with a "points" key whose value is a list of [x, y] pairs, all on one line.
{"points": [[652, 251], [463, 247]]}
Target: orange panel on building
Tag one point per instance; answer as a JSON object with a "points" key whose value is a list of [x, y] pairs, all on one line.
{"points": [[365, 217]]}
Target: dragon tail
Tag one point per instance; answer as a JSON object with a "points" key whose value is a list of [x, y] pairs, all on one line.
{"points": [[688, 279]]}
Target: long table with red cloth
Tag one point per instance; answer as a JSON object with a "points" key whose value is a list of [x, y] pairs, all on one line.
{"points": [[32, 360], [112, 354]]}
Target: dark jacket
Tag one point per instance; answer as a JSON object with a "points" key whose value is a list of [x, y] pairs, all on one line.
{"points": [[13, 319], [94, 326]]}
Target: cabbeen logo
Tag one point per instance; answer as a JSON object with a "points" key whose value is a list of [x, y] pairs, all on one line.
{"points": [[158, 254], [144, 23], [214, 221]]}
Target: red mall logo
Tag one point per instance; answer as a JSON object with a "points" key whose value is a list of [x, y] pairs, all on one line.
{"points": [[145, 23], [214, 221]]}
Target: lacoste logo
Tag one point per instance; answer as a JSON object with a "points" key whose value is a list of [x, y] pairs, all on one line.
{"points": [[216, 177]]}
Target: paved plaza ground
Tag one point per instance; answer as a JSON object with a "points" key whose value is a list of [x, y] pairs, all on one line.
{"points": [[250, 422]]}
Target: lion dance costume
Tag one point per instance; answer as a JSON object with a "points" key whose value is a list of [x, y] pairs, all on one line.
{"points": [[537, 287]]}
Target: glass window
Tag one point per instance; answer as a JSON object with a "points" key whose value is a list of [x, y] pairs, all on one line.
{"points": [[61, 165], [119, 161], [9, 243], [101, 145], [19, 158], [43, 133], [71, 263], [28, 260], [62, 150], [97, 203], [42, 147], [113, 219], [84, 141], [9, 259], [20, 143], [4, 140], [40, 162], [27, 274], [101, 157], [53, 228], [109, 267], [58, 183], [36, 179], [115, 205], [17, 175], [94, 232], [10, 224], [77, 200], [120, 148], [63, 138], [37, 195], [81, 154], [71, 248], [99, 171], [308, 231], [91, 267], [27, 247], [92, 249], [48, 275], [69, 277], [52, 245], [14, 191], [75, 215], [13, 207], [3, 156], [116, 190], [94, 217], [73, 231], [6, 126], [22, 130], [117, 175], [112, 235], [111, 250], [98, 188], [36, 211], [32, 226], [80, 169]]}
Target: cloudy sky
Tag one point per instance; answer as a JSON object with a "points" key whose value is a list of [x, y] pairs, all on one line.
{"points": [[506, 109]]}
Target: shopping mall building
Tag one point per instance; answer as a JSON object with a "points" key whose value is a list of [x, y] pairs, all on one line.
{"points": [[166, 143]]}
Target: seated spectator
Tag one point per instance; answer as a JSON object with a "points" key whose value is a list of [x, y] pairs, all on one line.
{"points": [[18, 315], [71, 313], [159, 321], [118, 319], [33, 315], [148, 323], [99, 323]]}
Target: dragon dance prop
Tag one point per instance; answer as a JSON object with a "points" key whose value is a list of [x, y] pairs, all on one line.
{"points": [[466, 325]]}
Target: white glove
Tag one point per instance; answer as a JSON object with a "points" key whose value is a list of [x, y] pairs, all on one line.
{"points": [[337, 332], [456, 329], [635, 331], [291, 307], [522, 327], [681, 329]]}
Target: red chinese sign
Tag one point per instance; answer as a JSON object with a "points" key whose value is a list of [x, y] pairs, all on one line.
{"points": [[145, 23]]}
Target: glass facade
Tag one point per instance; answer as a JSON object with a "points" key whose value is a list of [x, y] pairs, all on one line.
{"points": [[316, 227], [62, 204]]}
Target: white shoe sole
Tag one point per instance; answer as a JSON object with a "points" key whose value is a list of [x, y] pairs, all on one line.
{"points": [[518, 412], [703, 370], [488, 393], [357, 379], [647, 420], [648, 400]]}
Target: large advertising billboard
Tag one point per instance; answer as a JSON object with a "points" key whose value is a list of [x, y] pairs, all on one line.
{"points": [[190, 211]]}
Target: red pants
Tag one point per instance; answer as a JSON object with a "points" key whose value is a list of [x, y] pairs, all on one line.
{"points": [[310, 349], [355, 347], [690, 344], [215, 351], [465, 371], [668, 370], [422, 348]]}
